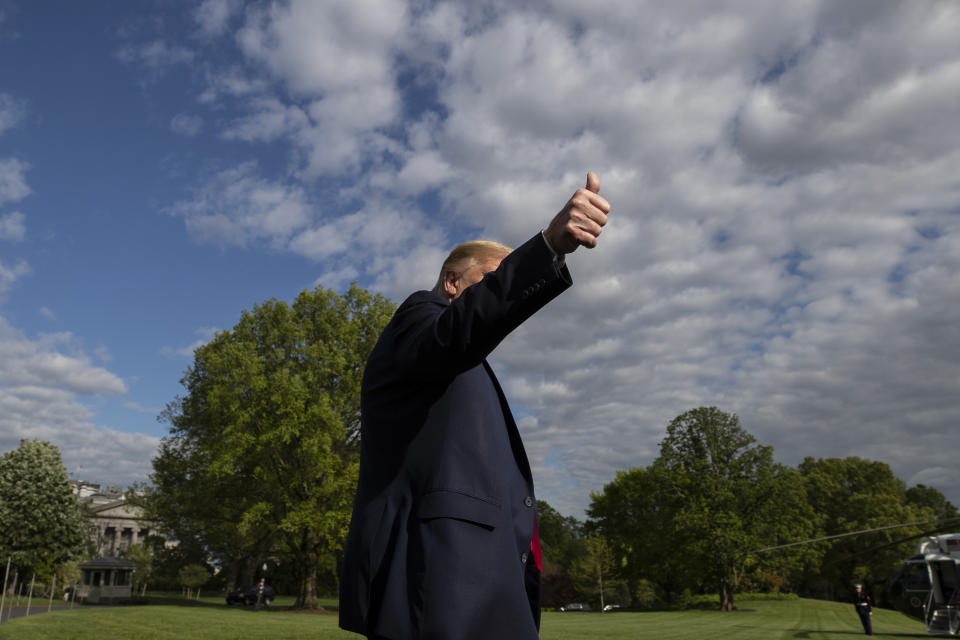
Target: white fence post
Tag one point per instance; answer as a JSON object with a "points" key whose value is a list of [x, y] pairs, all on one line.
{"points": [[33, 581], [53, 584], [16, 577], [3, 594]]}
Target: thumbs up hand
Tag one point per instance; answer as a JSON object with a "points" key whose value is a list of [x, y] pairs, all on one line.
{"points": [[581, 219]]}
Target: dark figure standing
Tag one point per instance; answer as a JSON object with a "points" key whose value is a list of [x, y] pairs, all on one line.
{"points": [[260, 589], [864, 608], [443, 542]]}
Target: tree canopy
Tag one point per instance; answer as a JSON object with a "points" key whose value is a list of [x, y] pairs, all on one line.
{"points": [[714, 513], [41, 522], [563, 541], [262, 457], [635, 512], [732, 498], [853, 494], [695, 515], [924, 497], [260, 469]]}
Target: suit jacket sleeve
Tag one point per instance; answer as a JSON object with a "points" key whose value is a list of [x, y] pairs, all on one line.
{"points": [[461, 335]]}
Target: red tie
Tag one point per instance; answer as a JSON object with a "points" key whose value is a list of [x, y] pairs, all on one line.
{"points": [[535, 547]]}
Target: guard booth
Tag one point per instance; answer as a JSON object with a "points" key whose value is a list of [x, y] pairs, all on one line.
{"points": [[105, 580]]}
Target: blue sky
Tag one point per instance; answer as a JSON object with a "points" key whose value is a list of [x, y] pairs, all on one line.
{"points": [[784, 241]]}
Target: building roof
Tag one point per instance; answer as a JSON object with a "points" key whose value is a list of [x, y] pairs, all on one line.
{"points": [[108, 562]]}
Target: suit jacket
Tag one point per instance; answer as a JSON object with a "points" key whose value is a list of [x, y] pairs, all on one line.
{"points": [[439, 543]]}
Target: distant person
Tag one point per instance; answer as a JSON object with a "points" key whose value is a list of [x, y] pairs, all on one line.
{"points": [[260, 589], [864, 608], [443, 542]]}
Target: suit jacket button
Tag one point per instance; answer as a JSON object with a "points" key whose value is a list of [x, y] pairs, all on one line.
{"points": [[528, 501], [523, 557]]}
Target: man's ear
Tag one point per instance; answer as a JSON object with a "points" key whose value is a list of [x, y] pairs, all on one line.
{"points": [[450, 279]]}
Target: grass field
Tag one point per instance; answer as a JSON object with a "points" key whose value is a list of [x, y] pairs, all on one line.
{"points": [[210, 619]]}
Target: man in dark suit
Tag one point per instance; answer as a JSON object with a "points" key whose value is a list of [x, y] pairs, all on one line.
{"points": [[443, 544]]}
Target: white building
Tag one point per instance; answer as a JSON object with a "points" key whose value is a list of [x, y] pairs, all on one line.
{"points": [[113, 524]]}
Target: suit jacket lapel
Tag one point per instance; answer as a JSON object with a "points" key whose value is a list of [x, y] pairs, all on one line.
{"points": [[515, 442]]}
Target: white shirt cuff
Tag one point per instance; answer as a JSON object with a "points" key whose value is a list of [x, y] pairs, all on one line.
{"points": [[556, 257]]}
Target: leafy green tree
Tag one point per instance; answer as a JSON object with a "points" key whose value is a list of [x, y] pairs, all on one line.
{"points": [[939, 507], [141, 555], [561, 537], [636, 514], [263, 456], [168, 560], [730, 497], [563, 542], [645, 595], [67, 574], [203, 519], [594, 574], [41, 522], [193, 576], [853, 494]]}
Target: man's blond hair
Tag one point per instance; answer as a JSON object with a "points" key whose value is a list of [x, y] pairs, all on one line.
{"points": [[468, 254]]}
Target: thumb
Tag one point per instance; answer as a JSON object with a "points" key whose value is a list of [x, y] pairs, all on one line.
{"points": [[593, 182]]}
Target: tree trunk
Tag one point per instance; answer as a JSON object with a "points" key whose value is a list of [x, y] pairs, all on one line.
{"points": [[248, 570], [307, 596], [726, 596], [600, 577], [232, 572]]}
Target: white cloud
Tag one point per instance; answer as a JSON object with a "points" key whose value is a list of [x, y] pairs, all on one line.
{"points": [[12, 227], [233, 82], [89, 451], [186, 124], [135, 406], [10, 274], [862, 93], [414, 270], [269, 120], [213, 16], [721, 268], [39, 388], [13, 182], [12, 111], [237, 206], [783, 243], [206, 335], [337, 279], [48, 313], [40, 363], [155, 56], [183, 352], [337, 61], [317, 48], [934, 476]]}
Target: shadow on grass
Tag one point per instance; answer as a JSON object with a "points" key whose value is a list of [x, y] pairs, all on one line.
{"points": [[818, 633], [175, 600], [179, 601]]}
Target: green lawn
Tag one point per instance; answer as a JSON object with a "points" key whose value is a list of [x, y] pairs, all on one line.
{"points": [[209, 619], [760, 620]]}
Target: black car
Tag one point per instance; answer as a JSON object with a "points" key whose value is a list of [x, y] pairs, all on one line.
{"points": [[575, 606], [248, 595]]}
